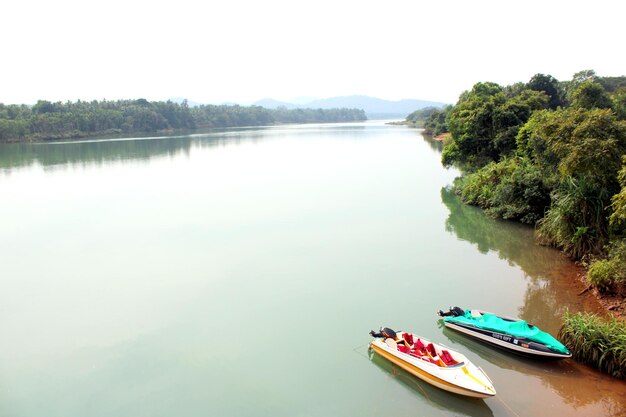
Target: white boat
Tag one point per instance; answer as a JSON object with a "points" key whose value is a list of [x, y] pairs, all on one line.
{"points": [[511, 334], [434, 363]]}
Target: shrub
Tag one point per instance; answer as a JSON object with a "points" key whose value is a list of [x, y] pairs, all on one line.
{"points": [[600, 275], [510, 189], [576, 221], [609, 275], [597, 342]]}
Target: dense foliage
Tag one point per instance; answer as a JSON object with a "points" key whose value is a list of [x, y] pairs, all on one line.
{"points": [[553, 154], [597, 342], [47, 120], [485, 123], [609, 275], [510, 189], [550, 154]]}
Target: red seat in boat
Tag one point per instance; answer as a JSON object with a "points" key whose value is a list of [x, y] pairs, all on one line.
{"points": [[418, 351], [430, 350], [447, 358], [424, 357], [408, 337], [418, 345], [403, 348]]}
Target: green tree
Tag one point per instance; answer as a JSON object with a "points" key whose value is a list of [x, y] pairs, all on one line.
{"points": [[591, 95], [619, 102], [584, 75], [549, 85], [578, 151], [575, 142], [485, 122]]}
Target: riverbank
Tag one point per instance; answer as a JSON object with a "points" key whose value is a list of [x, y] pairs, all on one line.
{"points": [[601, 307], [444, 137], [613, 304]]}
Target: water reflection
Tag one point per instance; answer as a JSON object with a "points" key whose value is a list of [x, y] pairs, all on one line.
{"points": [[552, 286], [436, 397], [51, 155], [435, 145], [99, 152]]}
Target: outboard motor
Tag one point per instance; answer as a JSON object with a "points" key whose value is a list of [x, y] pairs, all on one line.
{"points": [[453, 311], [385, 332]]}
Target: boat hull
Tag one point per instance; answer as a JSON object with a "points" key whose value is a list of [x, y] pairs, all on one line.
{"points": [[442, 381], [507, 342]]}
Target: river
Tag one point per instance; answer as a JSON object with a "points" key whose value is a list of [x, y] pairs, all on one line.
{"points": [[238, 273]]}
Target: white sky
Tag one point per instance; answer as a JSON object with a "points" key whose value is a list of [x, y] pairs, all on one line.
{"points": [[243, 50]]}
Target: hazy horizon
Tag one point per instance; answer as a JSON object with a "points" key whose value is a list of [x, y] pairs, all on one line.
{"points": [[295, 100], [243, 51]]}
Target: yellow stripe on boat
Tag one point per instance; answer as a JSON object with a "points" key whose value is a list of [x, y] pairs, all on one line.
{"points": [[476, 379]]}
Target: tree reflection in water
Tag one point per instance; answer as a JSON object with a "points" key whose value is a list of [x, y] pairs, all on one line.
{"points": [[553, 286], [55, 155], [552, 289]]}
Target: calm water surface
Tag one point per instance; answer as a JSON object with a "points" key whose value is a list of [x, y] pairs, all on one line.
{"points": [[238, 273]]}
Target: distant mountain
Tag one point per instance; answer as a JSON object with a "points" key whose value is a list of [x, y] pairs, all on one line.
{"points": [[270, 103], [373, 107]]}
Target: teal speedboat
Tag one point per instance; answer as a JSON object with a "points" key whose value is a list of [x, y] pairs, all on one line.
{"points": [[511, 334]]}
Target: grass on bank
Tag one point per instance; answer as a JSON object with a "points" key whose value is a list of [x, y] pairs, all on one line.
{"points": [[609, 275], [597, 342]]}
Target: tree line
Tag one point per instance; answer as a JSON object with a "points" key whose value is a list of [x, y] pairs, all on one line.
{"points": [[551, 154], [56, 120], [432, 119]]}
